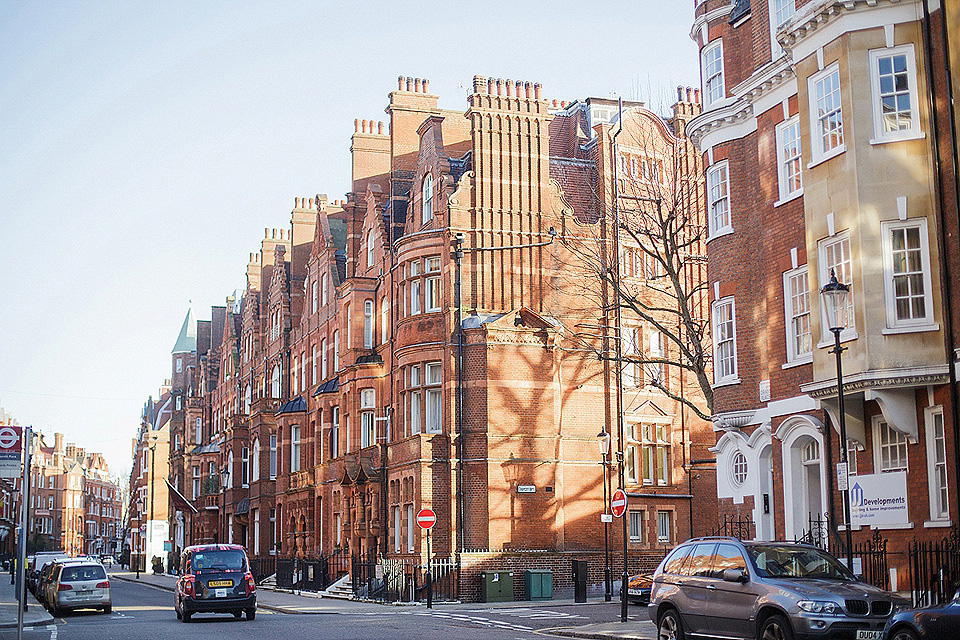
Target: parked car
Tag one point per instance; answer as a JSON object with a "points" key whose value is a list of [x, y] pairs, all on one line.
{"points": [[940, 621], [772, 590], [44, 592], [638, 588], [40, 561], [79, 585], [215, 578], [108, 561]]}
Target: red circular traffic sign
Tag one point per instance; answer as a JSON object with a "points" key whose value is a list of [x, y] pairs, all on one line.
{"points": [[618, 503], [426, 518]]}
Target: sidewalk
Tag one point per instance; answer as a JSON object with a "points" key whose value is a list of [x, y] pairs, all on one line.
{"points": [[34, 615], [312, 604]]}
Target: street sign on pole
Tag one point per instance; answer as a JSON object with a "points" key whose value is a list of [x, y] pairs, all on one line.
{"points": [[10, 450], [618, 503], [426, 518]]}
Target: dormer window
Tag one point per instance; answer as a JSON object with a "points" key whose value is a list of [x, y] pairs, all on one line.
{"points": [[427, 198]]}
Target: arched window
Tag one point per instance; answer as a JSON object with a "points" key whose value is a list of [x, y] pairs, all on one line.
{"points": [[230, 470], [427, 198], [275, 382], [247, 399], [255, 469]]}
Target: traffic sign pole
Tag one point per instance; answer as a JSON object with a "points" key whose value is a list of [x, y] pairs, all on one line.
{"points": [[429, 574]]}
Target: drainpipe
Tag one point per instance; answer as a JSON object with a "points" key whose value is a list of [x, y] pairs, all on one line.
{"points": [[940, 197]]}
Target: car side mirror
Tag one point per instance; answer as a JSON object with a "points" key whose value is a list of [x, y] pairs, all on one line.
{"points": [[735, 575]]}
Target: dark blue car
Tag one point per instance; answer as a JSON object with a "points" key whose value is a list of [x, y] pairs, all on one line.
{"points": [[936, 622]]}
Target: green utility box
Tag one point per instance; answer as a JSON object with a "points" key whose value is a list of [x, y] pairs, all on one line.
{"points": [[496, 586], [538, 584]]}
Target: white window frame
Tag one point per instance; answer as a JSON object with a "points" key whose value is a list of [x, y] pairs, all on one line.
{"points": [[426, 193], [784, 161], [368, 430], [336, 351], [818, 151], [244, 467], [913, 132], [433, 294], [719, 225], [433, 398], [410, 529], [901, 440], [368, 324], [294, 448], [714, 89], [893, 322], [255, 468], [324, 290], [844, 272], [273, 456], [314, 303], [384, 320], [664, 527], [323, 359], [937, 470], [371, 239], [313, 364], [774, 6], [635, 525], [731, 377], [415, 287], [792, 290]]}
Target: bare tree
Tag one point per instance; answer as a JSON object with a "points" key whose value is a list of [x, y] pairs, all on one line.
{"points": [[640, 253]]}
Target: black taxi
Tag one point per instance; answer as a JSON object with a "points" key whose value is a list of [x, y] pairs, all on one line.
{"points": [[215, 578]]}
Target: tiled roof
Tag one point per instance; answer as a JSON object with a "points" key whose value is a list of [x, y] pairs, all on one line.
{"points": [[187, 340], [297, 405], [329, 386]]}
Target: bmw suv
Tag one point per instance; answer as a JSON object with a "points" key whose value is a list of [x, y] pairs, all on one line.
{"points": [[728, 588], [216, 579]]}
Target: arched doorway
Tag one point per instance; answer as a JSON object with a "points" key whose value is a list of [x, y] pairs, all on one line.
{"points": [[804, 475]]}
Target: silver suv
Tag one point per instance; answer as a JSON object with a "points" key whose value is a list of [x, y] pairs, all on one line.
{"points": [[727, 588]]}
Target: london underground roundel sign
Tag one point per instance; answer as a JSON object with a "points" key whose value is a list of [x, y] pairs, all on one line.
{"points": [[618, 503], [426, 518], [9, 438]]}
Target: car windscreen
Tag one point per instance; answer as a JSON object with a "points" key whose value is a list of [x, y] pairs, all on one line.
{"points": [[773, 561], [83, 572], [219, 560]]}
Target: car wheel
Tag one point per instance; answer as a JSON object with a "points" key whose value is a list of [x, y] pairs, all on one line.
{"points": [[108, 608], [670, 627], [186, 616], [251, 614], [238, 614], [776, 627], [903, 633]]}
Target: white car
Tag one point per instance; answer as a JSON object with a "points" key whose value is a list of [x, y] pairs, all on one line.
{"points": [[107, 561], [79, 586]]}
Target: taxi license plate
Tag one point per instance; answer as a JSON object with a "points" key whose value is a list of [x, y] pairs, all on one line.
{"points": [[220, 583], [865, 634], [220, 593]]}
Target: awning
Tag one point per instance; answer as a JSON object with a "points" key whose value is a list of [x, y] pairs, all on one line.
{"points": [[178, 500]]}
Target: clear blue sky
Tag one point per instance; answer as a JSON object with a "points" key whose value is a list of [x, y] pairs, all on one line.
{"points": [[144, 146]]}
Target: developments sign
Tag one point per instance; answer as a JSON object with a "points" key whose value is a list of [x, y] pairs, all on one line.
{"points": [[879, 499]]}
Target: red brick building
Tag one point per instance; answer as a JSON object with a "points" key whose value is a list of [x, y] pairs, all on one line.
{"points": [[345, 399], [818, 138]]}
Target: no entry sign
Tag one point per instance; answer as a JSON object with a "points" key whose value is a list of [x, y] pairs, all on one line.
{"points": [[10, 448], [426, 518], [618, 503]]}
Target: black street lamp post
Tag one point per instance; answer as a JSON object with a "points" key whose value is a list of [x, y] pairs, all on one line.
{"points": [[834, 295], [603, 441]]}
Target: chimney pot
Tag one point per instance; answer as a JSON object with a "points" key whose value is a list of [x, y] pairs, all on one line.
{"points": [[399, 83], [509, 88], [409, 84], [426, 86], [356, 125], [536, 90], [418, 85], [380, 128]]}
